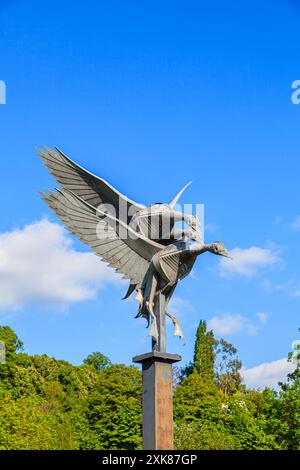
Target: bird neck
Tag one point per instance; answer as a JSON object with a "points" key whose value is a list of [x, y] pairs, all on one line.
{"points": [[198, 248]]}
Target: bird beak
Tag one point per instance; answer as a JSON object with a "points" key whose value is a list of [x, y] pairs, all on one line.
{"points": [[226, 254]]}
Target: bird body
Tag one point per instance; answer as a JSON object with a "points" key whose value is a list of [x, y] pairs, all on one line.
{"points": [[117, 230], [175, 261]]}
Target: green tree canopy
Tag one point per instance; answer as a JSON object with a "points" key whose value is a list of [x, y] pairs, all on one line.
{"points": [[47, 403], [97, 360]]}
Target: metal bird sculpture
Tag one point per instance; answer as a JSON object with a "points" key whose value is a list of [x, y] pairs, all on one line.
{"points": [[128, 236]]}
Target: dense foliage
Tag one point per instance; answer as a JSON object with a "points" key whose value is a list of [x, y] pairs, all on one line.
{"points": [[50, 404]]}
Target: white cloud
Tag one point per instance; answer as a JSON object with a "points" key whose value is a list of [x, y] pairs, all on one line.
{"points": [[39, 266], [247, 262], [296, 223], [179, 306], [227, 324], [267, 374], [262, 317], [251, 328]]}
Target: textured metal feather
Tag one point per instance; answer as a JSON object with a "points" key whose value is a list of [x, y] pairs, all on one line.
{"points": [[88, 186], [83, 220]]}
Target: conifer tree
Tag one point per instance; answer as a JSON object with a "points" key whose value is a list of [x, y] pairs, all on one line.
{"points": [[204, 354]]}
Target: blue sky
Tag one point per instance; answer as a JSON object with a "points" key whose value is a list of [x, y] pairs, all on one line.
{"points": [[150, 95]]}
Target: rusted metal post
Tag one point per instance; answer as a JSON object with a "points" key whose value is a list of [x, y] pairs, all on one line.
{"points": [[157, 394]]}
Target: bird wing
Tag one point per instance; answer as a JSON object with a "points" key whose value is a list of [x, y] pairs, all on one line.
{"points": [[128, 252], [89, 187]]}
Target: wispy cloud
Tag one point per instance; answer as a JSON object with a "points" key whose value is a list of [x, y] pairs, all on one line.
{"points": [[211, 228], [262, 317], [295, 225], [248, 261], [39, 266], [227, 324], [291, 287], [295, 292], [267, 374], [179, 307]]}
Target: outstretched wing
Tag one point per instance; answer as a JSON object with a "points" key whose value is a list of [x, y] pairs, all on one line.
{"points": [[89, 187], [128, 252]]}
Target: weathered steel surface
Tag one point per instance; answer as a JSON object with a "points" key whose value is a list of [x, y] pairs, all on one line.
{"points": [[157, 399], [159, 344], [139, 242]]}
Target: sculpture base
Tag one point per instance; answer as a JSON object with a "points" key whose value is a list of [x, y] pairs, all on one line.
{"points": [[157, 399]]}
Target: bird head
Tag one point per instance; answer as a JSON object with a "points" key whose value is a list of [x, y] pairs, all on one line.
{"points": [[218, 248]]}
